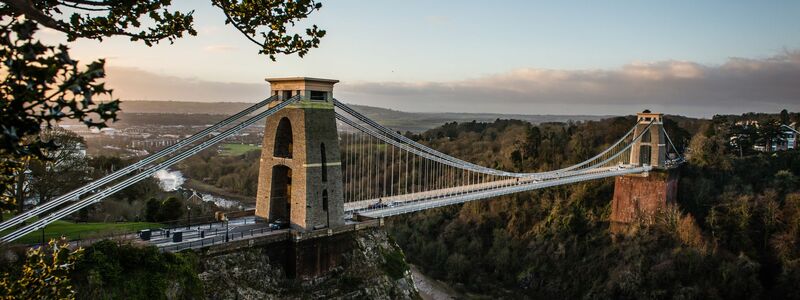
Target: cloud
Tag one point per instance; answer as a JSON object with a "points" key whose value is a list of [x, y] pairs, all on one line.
{"points": [[136, 84], [678, 87]]}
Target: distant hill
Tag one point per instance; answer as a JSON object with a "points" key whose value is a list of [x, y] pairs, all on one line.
{"points": [[133, 111], [181, 107]]}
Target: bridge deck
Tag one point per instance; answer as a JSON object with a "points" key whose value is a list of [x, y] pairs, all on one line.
{"points": [[244, 232], [487, 190]]}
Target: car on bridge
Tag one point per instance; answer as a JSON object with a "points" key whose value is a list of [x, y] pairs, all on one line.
{"points": [[279, 224], [377, 205]]}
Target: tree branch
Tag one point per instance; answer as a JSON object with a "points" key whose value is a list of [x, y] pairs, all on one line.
{"points": [[78, 6], [30, 11], [236, 25], [92, 3]]}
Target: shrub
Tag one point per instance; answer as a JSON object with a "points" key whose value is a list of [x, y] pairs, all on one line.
{"points": [[395, 264]]}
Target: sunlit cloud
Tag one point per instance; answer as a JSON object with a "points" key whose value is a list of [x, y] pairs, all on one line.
{"points": [[663, 70], [678, 87], [681, 87]]}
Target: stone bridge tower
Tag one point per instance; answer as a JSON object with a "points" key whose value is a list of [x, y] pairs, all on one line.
{"points": [[300, 176], [639, 197], [651, 149]]}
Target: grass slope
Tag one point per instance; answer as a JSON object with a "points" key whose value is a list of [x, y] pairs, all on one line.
{"points": [[82, 230], [237, 149]]}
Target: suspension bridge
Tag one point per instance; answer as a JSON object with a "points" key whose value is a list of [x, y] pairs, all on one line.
{"points": [[323, 163]]}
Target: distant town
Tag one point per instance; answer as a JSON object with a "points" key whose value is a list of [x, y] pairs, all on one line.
{"points": [[143, 127]]}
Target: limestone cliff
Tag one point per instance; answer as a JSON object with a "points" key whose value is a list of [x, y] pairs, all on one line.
{"points": [[371, 266]]}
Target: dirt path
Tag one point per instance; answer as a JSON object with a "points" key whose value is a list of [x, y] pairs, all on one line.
{"points": [[431, 289]]}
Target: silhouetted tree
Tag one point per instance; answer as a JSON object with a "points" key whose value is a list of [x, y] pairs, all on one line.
{"points": [[151, 210], [152, 21], [785, 117], [43, 85], [62, 169], [171, 210], [770, 132]]}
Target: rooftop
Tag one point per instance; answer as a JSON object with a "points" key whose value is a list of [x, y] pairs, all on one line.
{"points": [[311, 79]]}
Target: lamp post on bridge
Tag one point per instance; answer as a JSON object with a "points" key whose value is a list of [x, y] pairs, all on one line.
{"points": [[188, 216], [226, 228]]}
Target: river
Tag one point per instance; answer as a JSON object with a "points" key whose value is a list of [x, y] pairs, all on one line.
{"points": [[173, 180], [432, 289]]}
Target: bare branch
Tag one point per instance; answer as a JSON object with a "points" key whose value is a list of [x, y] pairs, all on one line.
{"points": [[30, 11]]}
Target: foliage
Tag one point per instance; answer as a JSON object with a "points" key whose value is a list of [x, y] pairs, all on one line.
{"points": [[152, 208], [169, 210], [744, 133], [734, 235], [395, 264], [41, 85], [235, 174], [44, 274], [62, 169], [125, 205], [248, 16], [151, 21], [111, 271], [12, 182]]}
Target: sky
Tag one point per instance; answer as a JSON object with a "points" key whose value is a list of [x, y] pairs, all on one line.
{"points": [[695, 58]]}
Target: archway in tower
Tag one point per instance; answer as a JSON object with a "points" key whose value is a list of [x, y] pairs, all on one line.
{"points": [[280, 198], [645, 149], [283, 139], [644, 154]]}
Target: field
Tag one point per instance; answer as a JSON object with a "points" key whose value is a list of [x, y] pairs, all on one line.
{"points": [[237, 149], [75, 231]]}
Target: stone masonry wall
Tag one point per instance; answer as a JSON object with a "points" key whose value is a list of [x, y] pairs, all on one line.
{"points": [[321, 129], [637, 196], [267, 162], [311, 127]]}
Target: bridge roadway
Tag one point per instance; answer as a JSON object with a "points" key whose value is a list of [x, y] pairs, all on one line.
{"points": [[212, 233], [407, 203], [240, 229]]}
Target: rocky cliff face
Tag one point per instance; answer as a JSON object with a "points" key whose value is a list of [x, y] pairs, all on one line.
{"points": [[371, 267]]}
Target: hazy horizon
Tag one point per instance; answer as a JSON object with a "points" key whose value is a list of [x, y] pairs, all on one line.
{"points": [[360, 105]]}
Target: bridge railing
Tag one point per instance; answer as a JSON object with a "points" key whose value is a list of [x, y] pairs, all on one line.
{"points": [[217, 238]]}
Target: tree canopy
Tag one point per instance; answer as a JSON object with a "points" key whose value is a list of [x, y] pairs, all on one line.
{"points": [[264, 22], [42, 85]]}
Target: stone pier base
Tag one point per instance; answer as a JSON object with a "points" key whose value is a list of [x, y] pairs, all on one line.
{"points": [[639, 197]]}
